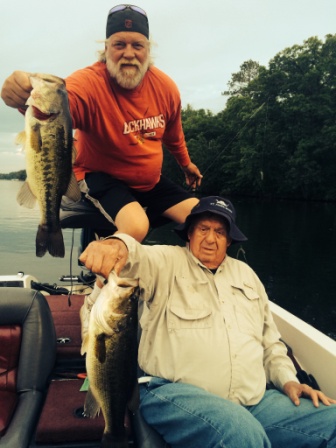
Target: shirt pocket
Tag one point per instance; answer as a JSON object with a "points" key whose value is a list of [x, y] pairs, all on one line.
{"points": [[247, 311], [188, 307]]}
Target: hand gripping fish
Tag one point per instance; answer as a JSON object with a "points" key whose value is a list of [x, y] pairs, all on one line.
{"points": [[111, 357], [47, 141]]}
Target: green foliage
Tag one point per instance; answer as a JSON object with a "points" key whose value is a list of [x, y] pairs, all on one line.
{"points": [[240, 81], [17, 175], [276, 136]]}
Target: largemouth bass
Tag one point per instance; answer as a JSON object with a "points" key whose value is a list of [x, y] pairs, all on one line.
{"points": [[47, 141], [111, 357]]}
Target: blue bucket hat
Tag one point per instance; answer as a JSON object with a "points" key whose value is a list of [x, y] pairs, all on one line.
{"points": [[218, 206]]}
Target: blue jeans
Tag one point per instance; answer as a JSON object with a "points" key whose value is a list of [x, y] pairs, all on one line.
{"points": [[188, 416]]}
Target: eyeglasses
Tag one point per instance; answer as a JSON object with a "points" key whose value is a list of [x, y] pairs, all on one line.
{"points": [[123, 7], [205, 230]]}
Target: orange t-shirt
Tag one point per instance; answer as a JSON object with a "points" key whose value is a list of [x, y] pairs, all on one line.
{"points": [[119, 131]]}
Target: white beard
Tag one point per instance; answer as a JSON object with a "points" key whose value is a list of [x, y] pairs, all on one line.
{"points": [[128, 78]]}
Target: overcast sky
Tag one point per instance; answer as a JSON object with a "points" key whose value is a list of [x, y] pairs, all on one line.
{"points": [[198, 43]]}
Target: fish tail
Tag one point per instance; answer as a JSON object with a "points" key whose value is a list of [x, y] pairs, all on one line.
{"points": [[51, 241], [91, 406]]}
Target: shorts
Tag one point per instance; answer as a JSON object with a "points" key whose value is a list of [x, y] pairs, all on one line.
{"points": [[110, 195]]}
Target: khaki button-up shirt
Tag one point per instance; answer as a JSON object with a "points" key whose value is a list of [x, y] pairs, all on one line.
{"points": [[215, 331]]}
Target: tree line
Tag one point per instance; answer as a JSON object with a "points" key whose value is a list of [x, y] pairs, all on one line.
{"points": [[276, 136], [15, 175]]}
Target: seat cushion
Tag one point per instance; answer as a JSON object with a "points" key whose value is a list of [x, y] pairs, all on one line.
{"points": [[10, 341], [59, 422]]}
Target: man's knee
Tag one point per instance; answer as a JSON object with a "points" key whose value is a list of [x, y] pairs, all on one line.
{"points": [[132, 219], [180, 211]]}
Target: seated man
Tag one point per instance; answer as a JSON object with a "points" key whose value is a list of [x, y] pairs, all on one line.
{"points": [[209, 344]]}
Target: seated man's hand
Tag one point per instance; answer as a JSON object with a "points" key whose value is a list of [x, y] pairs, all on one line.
{"points": [[296, 390], [101, 257]]}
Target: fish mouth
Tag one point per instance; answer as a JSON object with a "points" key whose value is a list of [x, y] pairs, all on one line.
{"points": [[42, 116]]}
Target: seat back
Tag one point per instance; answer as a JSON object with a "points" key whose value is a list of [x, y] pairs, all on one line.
{"points": [[27, 324], [83, 214]]}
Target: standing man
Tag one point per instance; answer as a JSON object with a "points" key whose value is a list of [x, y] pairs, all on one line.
{"points": [[123, 109]]}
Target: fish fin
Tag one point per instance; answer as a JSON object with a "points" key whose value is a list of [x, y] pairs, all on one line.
{"points": [[35, 138], [84, 346], [134, 401], [91, 406], [73, 191], [21, 138], [73, 152], [25, 196], [100, 348], [49, 241]]}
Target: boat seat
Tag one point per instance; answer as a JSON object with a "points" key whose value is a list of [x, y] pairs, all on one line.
{"points": [[61, 423], [27, 357], [145, 436], [84, 215]]}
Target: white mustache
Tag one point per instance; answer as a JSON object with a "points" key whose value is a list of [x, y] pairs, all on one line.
{"points": [[133, 63]]}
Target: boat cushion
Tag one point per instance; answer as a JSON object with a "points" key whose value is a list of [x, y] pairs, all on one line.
{"points": [[61, 422], [10, 341]]}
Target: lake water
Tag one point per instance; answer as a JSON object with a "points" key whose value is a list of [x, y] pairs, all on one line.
{"points": [[291, 246], [18, 226]]}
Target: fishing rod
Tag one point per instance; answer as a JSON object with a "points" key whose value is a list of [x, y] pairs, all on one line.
{"points": [[240, 251], [229, 143]]}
